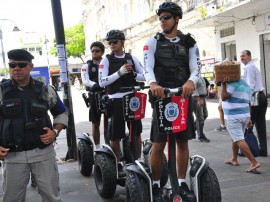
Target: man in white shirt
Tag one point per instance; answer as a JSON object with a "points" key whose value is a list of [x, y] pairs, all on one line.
{"points": [[252, 76]]}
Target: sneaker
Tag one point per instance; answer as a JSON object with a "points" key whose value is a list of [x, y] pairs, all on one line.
{"points": [[185, 193], [220, 128], [157, 197], [204, 139]]}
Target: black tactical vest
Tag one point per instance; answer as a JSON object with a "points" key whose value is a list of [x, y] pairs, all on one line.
{"points": [[93, 71], [172, 60], [23, 116], [124, 81]]}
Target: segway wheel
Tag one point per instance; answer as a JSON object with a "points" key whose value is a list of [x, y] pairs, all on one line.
{"points": [[85, 158], [209, 187], [136, 188], [165, 170], [105, 175]]}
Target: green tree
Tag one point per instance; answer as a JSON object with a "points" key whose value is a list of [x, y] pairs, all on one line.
{"points": [[203, 12], [75, 42]]}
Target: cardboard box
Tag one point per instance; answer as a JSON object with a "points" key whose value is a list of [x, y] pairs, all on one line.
{"points": [[227, 69]]}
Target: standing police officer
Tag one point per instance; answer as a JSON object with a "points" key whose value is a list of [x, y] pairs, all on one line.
{"points": [[171, 59], [27, 133], [89, 75]]}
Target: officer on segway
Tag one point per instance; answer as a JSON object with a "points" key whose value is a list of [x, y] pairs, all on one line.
{"points": [[171, 60], [116, 70], [89, 75], [119, 69]]}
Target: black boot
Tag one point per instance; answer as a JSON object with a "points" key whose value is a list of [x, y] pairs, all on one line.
{"points": [[185, 193]]}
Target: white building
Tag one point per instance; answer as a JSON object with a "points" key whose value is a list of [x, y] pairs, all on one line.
{"points": [[222, 28], [240, 25]]}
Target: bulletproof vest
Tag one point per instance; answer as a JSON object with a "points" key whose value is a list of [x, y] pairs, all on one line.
{"points": [[23, 115], [124, 81], [93, 70], [172, 60]]}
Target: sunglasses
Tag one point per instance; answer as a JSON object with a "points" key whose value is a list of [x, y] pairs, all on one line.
{"points": [[165, 17], [19, 64], [95, 51], [113, 42]]}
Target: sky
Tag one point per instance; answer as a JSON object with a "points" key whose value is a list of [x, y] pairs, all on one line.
{"points": [[36, 15]]}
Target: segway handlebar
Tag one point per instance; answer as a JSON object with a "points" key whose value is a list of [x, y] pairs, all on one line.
{"points": [[173, 90], [135, 88]]}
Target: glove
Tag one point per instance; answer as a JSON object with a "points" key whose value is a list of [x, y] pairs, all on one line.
{"points": [[96, 88], [122, 71]]}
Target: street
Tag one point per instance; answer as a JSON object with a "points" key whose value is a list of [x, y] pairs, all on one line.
{"points": [[236, 185]]}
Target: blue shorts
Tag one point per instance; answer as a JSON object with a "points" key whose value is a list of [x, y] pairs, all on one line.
{"points": [[236, 128]]}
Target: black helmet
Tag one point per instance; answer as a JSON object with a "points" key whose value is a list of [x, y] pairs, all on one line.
{"points": [[98, 44], [171, 7], [115, 34]]}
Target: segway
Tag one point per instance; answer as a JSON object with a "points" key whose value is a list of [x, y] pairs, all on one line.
{"points": [[85, 144], [172, 118], [106, 172]]}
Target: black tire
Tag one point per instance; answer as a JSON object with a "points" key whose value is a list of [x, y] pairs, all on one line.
{"points": [[136, 188], [105, 175], [85, 157], [164, 173], [209, 187]]}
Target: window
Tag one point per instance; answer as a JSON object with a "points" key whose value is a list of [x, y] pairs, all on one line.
{"points": [[39, 50], [227, 32]]}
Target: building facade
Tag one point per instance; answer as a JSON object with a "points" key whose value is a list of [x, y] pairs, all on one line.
{"points": [[222, 28]]}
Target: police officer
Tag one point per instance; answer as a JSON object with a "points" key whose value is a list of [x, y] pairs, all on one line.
{"points": [[116, 70], [27, 133], [89, 75], [171, 59]]}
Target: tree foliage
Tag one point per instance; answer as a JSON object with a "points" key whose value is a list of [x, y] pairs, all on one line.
{"points": [[75, 42]]}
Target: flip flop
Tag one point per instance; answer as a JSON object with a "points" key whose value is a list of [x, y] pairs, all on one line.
{"points": [[231, 163], [254, 169]]}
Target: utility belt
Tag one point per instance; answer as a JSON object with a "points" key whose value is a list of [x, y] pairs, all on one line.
{"points": [[20, 148]]}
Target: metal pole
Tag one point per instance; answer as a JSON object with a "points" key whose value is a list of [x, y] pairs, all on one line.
{"points": [[3, 52], [64, 77]]}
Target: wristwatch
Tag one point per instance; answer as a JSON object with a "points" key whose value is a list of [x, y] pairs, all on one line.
{"points": [[56, 132]]}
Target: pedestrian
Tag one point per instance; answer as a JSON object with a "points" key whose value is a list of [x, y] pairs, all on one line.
{"points": [[236, 98], [89, 75], [200, 109], [116, 70], [171, 59], [212, 94], [252, 76], [77, 83], [27, 133]]}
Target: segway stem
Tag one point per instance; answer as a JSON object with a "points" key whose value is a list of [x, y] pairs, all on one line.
{"points": [[172, 162], [132, 141]]}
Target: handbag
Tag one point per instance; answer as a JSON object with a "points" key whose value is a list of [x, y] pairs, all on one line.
{"points": [[252, 142]]}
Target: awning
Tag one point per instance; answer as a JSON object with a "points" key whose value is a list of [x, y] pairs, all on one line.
{"points": [[249, 9]]}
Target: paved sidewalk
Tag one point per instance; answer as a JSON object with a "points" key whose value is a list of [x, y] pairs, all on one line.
{"points": [[236, 185]]}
